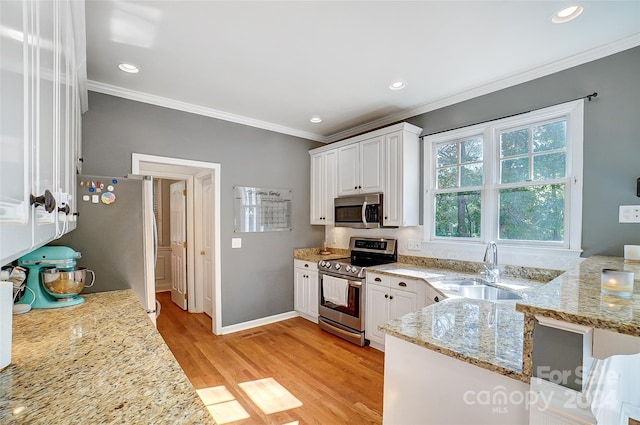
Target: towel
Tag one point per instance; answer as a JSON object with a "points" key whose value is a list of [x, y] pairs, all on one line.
{"points": [[335, 290]]}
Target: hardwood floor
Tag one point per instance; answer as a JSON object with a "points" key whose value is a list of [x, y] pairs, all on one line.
{"points": [[336, 381]]}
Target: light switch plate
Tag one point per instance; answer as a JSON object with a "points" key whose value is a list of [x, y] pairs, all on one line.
{"points": [[236, 242], [629, 214]]}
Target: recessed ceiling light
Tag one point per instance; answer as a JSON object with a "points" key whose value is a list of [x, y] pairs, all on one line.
{"points": [[316, 119], [567, 14], [127, 67], [397, 85]]}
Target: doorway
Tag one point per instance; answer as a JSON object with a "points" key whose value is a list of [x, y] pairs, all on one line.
{"points": [[202, 227]]}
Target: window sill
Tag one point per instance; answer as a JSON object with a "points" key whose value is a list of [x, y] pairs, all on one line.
{"points": [[516, 255]]}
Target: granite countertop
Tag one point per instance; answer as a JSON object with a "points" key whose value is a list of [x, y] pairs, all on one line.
{"points": [[499, 336], [98, 362], [313, 255], [575, 297], [484, 333]]}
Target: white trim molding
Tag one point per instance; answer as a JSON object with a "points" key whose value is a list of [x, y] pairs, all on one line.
{"points": [[199, 110], [259, 322]]}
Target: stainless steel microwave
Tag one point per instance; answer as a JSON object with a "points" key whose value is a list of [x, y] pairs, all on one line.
{"points": [[359, 211]]}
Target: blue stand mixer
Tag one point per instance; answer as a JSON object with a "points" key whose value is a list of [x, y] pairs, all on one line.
{"points": [[59, 257]]}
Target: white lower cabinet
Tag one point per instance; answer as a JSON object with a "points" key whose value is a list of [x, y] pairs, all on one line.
{"points": [[390, 297], [305, 290]]}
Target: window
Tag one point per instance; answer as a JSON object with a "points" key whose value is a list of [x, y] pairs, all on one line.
{"points": [[517, 180]]}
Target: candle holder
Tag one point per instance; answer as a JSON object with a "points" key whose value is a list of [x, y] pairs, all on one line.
{"points": [[617, 282]]}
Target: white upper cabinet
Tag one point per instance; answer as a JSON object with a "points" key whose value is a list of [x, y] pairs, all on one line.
{"points": [[40, 124], [15, 143], [324, 173], [360, 167], [401, 202], [386, 160]]}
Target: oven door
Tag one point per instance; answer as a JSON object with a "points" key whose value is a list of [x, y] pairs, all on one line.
{"points": [[351, 314]]}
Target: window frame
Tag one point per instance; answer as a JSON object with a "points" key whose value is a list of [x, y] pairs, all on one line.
{"points": [[489, 197]]}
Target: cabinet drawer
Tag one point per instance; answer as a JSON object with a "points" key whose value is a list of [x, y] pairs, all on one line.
{"points": [[378, 279], [307, 265], [403, 284]]}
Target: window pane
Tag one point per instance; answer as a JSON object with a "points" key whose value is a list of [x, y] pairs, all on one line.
{"points": [[550, 136], [514, 170], [458, 214], [514, 143], [471, 175], [534, 213], [471, 150], [447, 177], [447, 154], [550, 166]]}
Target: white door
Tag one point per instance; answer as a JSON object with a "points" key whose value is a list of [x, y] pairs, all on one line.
{"points": [[377, 312], [348, 169], [178, 232], [206, 248]]}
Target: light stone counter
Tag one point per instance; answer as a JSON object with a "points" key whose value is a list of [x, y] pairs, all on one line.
{"points": [[313, 254], [499, 336], [98, 362]]}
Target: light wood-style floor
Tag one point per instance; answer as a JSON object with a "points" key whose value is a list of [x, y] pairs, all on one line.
{"points": [[336, 381]]}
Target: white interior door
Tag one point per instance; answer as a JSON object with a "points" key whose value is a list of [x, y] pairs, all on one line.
{"points": [[206, 252], [178, 232]]}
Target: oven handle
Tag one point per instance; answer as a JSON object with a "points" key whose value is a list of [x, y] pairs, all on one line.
{"points": [[353, 283], [364, 213]]}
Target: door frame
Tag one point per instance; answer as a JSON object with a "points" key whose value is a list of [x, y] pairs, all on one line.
{"points": [[185, 169]]}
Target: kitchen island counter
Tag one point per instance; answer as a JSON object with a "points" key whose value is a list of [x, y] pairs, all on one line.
{"points": [[101, 361]]}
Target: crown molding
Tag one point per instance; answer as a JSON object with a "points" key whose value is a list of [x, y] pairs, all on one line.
{"points": [[199, 110], [498, 84]]}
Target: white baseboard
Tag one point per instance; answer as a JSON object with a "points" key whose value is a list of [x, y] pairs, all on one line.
{"points": [[258, 322]]}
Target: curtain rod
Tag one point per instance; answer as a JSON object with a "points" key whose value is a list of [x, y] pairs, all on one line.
{"points": [[589, 97]]}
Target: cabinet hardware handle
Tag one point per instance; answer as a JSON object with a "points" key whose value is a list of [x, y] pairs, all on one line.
{"points": [[390, 297], [47, 200], [355, 187], [386, 218], [306, 265], [203, 252], [359, 187], [377, 279], [404, 285], [436, 299], [386, 295]]}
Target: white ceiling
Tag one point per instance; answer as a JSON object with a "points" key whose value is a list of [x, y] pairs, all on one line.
{"points": [[276, 64]]}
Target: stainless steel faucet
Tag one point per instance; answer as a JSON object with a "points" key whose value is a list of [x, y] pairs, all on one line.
{"points": [[491, 262]]}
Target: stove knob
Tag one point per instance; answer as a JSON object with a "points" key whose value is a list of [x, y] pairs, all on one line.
{"points": [[348, 268], [320, 263], [327, 265], [354, 270], [338, 266]]}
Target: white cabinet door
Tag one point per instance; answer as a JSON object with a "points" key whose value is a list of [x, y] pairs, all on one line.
{"points": [[45, 150], [312, 285], [348, 169], [323, 186], [376, 313], [300, 290], [371, 163], [401, 303], [393, 191], [316, 193], [15, 166]]}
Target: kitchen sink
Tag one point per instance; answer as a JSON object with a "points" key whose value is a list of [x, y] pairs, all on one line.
{"points": [[476, 289]]}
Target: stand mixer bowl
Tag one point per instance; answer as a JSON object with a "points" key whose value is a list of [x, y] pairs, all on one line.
{"points": [[65, 284]]}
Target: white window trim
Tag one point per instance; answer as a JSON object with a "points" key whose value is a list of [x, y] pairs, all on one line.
{"points": [[573, 202]]}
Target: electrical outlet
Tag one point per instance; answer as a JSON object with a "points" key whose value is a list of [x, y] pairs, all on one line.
{"points": [[629, 214], [414, 245], [236, 242]]}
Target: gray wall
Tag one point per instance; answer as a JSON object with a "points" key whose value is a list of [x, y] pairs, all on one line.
{"points": [[257, 280], [611, 137]]}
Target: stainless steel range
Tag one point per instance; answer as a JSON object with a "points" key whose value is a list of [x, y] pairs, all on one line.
{"points": [[342, 286]]}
